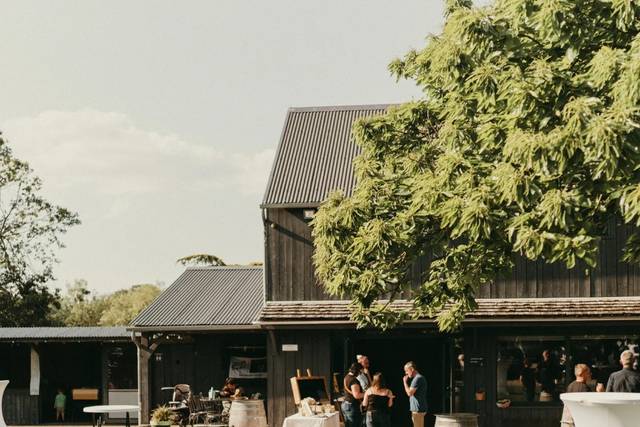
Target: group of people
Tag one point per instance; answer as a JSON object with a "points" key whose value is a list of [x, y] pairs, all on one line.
{"points": [[626, 380], [546, 374], [367, 401]]}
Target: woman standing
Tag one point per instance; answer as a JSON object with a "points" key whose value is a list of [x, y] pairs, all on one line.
{"points": [[352, 397], [378, 400]]}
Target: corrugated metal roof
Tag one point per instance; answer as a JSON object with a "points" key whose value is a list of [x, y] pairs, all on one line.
{"points": [[207, 297], [73, 333], [315, 155], [506, 309]]}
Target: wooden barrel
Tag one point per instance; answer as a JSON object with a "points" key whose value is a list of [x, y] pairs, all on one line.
{"points": [[546, 397], [457, 420], [247, 413]]}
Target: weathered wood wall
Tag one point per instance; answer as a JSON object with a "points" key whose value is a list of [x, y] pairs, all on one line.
{"points": [[290, 274], [314, 352], [203, 362], [481, 343], [18, 407]]}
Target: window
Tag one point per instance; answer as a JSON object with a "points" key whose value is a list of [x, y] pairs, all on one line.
{"points": [[122, 367], [531, 369], [535, 370], [457, 375], [602, 355]]}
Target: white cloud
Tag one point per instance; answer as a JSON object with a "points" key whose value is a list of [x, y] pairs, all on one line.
{"points": [[144, 198], [106, 153]]}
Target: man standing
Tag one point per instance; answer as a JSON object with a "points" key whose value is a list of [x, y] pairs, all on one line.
{"points": [[583, 376], [365, 376], [548, 375], [415, 385], [625, 380]]}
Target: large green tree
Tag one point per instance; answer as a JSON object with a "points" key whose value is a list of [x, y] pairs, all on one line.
{"points": [[124, 305], [31, 228], [82, 307], [526, 142]]}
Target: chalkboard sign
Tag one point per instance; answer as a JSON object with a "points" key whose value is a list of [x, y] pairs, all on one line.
{"points": [[314, 387]]}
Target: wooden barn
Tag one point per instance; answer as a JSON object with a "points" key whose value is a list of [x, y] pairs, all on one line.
{"points": [[195, 331], [573, 316], [90, 365]]}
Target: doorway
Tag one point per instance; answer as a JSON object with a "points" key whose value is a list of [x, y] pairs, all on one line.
{"points": [[66, 366], [388, 356]]}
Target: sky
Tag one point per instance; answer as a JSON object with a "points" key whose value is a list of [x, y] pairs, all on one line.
{"points": [[157, 121]]}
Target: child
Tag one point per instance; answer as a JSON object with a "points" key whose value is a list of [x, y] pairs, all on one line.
{"points": [[59, 405]]}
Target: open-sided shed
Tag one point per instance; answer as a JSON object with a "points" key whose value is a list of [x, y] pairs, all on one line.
{"points": [[40, 361]]}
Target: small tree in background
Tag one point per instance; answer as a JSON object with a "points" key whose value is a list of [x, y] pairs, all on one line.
{"points": [[124, 305], [526, 142], [201, 260]]}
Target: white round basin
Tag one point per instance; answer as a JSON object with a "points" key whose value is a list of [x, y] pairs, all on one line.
{"points": [[3, 385], [603, 409]]}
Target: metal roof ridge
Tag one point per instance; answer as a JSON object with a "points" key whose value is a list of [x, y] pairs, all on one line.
{"points": [[348, 107], [226, 267]]}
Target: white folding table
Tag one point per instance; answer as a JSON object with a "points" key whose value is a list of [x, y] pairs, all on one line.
{"points": [[110, 409]]}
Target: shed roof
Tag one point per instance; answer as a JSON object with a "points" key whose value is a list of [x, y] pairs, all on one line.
{"points": [[207, 298], [72, 333], [489, 310], [315, 155]]}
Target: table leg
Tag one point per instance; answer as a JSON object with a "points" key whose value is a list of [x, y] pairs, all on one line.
{"points": [[93, 420], [127, 422]]}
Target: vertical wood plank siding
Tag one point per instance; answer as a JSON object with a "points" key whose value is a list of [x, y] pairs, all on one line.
{"points": [[291, 275], [314, 352], [20, 408]]}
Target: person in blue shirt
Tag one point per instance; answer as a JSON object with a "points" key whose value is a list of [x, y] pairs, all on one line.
{"points": [[415, 385]]}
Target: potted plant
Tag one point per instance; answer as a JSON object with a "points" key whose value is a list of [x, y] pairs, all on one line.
{"points": [[161, 416]]}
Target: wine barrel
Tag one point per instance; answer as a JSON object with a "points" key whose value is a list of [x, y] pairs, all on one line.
{"points": [[546, 397], [457, 420], [247, 413]]}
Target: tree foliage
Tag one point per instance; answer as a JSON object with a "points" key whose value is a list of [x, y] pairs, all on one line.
{"points": [[124, 305], [80, 307], [31, 228], [526, 142]]}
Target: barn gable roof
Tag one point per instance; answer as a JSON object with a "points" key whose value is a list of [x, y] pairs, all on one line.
{"points": [[315, 155], [207, 298]]}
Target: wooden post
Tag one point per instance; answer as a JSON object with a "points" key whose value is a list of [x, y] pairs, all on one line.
{"points": [[146, 345], [145, 350]]}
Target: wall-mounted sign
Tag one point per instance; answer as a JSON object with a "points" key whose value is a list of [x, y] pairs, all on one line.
{"points": [[289, 347], [248, 367], [476, 361]]}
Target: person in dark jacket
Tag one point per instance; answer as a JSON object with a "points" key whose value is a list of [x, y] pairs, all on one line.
{"points": [[353, 396], [625, 380]]}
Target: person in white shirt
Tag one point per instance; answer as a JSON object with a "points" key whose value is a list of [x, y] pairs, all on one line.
{"points": [[365, 376]]}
